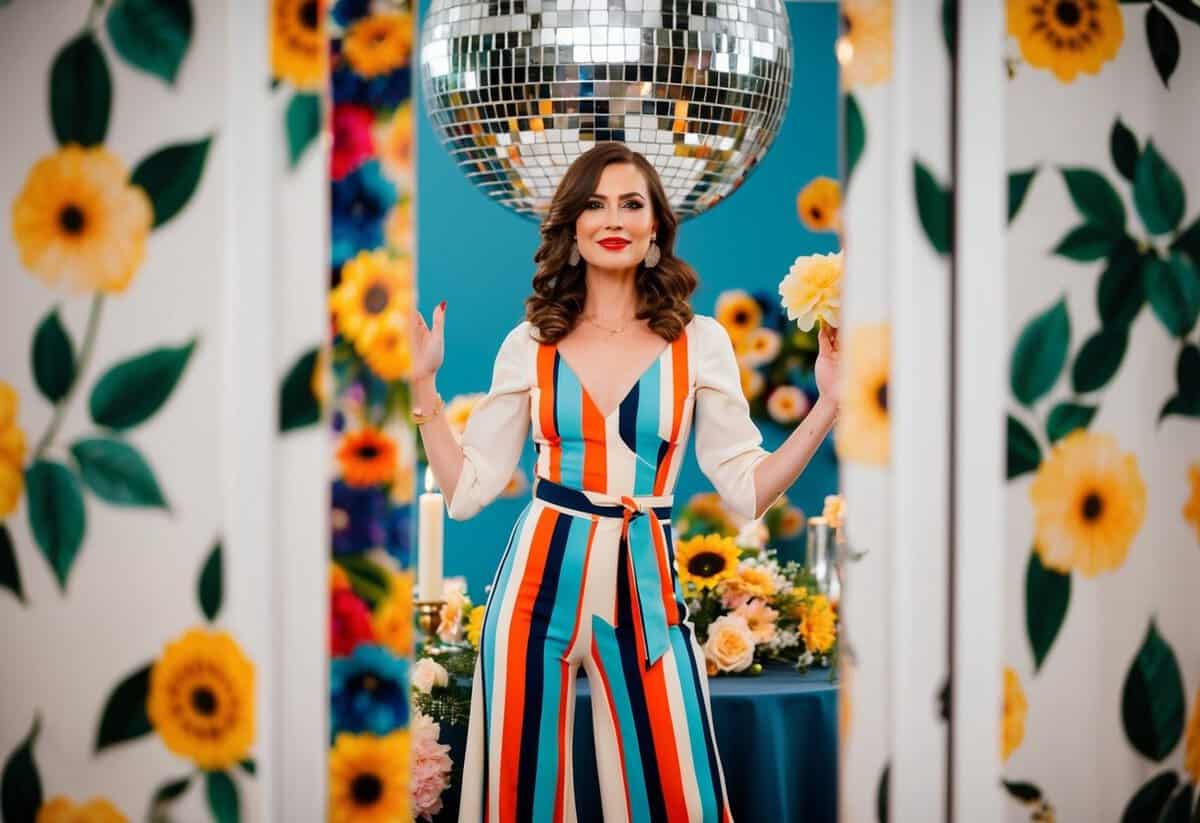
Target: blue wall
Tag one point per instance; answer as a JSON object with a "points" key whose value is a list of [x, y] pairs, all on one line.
{"points": [[479, 258]]}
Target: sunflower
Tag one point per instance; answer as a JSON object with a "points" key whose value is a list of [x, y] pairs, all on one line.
{"points": [[475, 625], [865, 46], [12, 450], [1089, 503], [759, 347], [297, 42], [739, 313], [787, 404], [812, 290], [706, 560], [1012, 726], [375, 290], [393, 620], [817, 624], [78, 221], [1066, 36], [1191, 747], [379, 44], [201, 699], [367, 457], [384, 345], [819, 204], [1191, 509], [97, 810], [864, 428], [368, 778]]}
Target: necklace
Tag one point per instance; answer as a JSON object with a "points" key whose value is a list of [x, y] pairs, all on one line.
{"points": [[598, 324]]}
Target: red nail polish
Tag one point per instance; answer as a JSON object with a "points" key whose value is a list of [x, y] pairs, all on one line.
{"points": [[443, 304]]}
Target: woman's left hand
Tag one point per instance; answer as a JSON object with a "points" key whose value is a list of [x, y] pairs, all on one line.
{"points": [[828, 366]]}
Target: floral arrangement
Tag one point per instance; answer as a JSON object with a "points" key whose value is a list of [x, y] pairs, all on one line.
{"points": [[749, 609]]}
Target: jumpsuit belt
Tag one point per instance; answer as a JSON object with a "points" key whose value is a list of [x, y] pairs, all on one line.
{"points": [[651, 584]]}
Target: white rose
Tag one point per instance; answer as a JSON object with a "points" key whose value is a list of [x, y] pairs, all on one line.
{"points": [[428, 673], [730, 644]]}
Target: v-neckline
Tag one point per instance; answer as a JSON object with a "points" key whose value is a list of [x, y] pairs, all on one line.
{"points": [[625, 396]]}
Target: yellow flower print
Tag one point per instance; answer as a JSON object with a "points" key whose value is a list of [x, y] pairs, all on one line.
{"points": [[865, 46], [367, 457], [12, 450], [379, 44], [375, 289], [706, 560], [60, 809], [1191, 509], [1089, 502], [79, 223], [298, 42], [393, 620], [1191, 748], [368, 778], [397, 144], [819, 204], [201, 699], [1067, 36], [1012, 727], [864, 428]]}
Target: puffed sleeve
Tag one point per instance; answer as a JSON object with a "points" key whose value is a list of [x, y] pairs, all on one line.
{"points": [[496, 430], [728, 443]]}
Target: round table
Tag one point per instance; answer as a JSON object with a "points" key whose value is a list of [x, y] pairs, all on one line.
{"points": [[777, 734]]}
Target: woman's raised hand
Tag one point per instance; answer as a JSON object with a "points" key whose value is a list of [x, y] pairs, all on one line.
{"points": [[828, 366], [428, 345]]}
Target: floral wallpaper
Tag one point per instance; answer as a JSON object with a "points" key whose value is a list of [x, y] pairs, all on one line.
{"points": [[360, 374], [863, 433], [90, 402], [1101, 714]]}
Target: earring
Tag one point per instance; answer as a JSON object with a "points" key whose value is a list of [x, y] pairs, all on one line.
{"points": [[653, 255], [574, 258]]}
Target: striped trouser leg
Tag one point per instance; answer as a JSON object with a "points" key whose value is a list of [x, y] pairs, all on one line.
{"points": [[524, 697], [655, 745]]}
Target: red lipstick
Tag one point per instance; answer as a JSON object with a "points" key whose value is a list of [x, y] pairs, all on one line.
{"points": [[613, 243]]}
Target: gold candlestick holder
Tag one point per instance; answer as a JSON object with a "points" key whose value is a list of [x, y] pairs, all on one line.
{"points": [[429, 615]]}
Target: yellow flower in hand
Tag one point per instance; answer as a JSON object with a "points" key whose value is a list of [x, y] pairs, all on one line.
{"points": [[812, 290]]}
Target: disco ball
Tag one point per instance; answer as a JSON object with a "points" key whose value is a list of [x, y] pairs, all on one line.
{"points": [[518, 89]]}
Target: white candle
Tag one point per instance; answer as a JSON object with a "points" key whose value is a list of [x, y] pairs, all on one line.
{"points": [[430, 525]]}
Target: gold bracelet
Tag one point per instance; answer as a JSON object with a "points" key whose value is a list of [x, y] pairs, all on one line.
{"points": [[419, 417]]}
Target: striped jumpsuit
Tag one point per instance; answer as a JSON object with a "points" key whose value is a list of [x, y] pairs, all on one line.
{"points": [[588, 579]]}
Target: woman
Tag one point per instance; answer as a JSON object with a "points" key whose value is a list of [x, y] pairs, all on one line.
{"points": [[609, 370]]}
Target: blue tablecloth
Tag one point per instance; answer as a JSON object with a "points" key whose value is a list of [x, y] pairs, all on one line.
{"points": [[777, 734]]}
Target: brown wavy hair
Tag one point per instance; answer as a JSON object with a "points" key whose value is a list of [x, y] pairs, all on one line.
{"points": [[560, 289]]}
